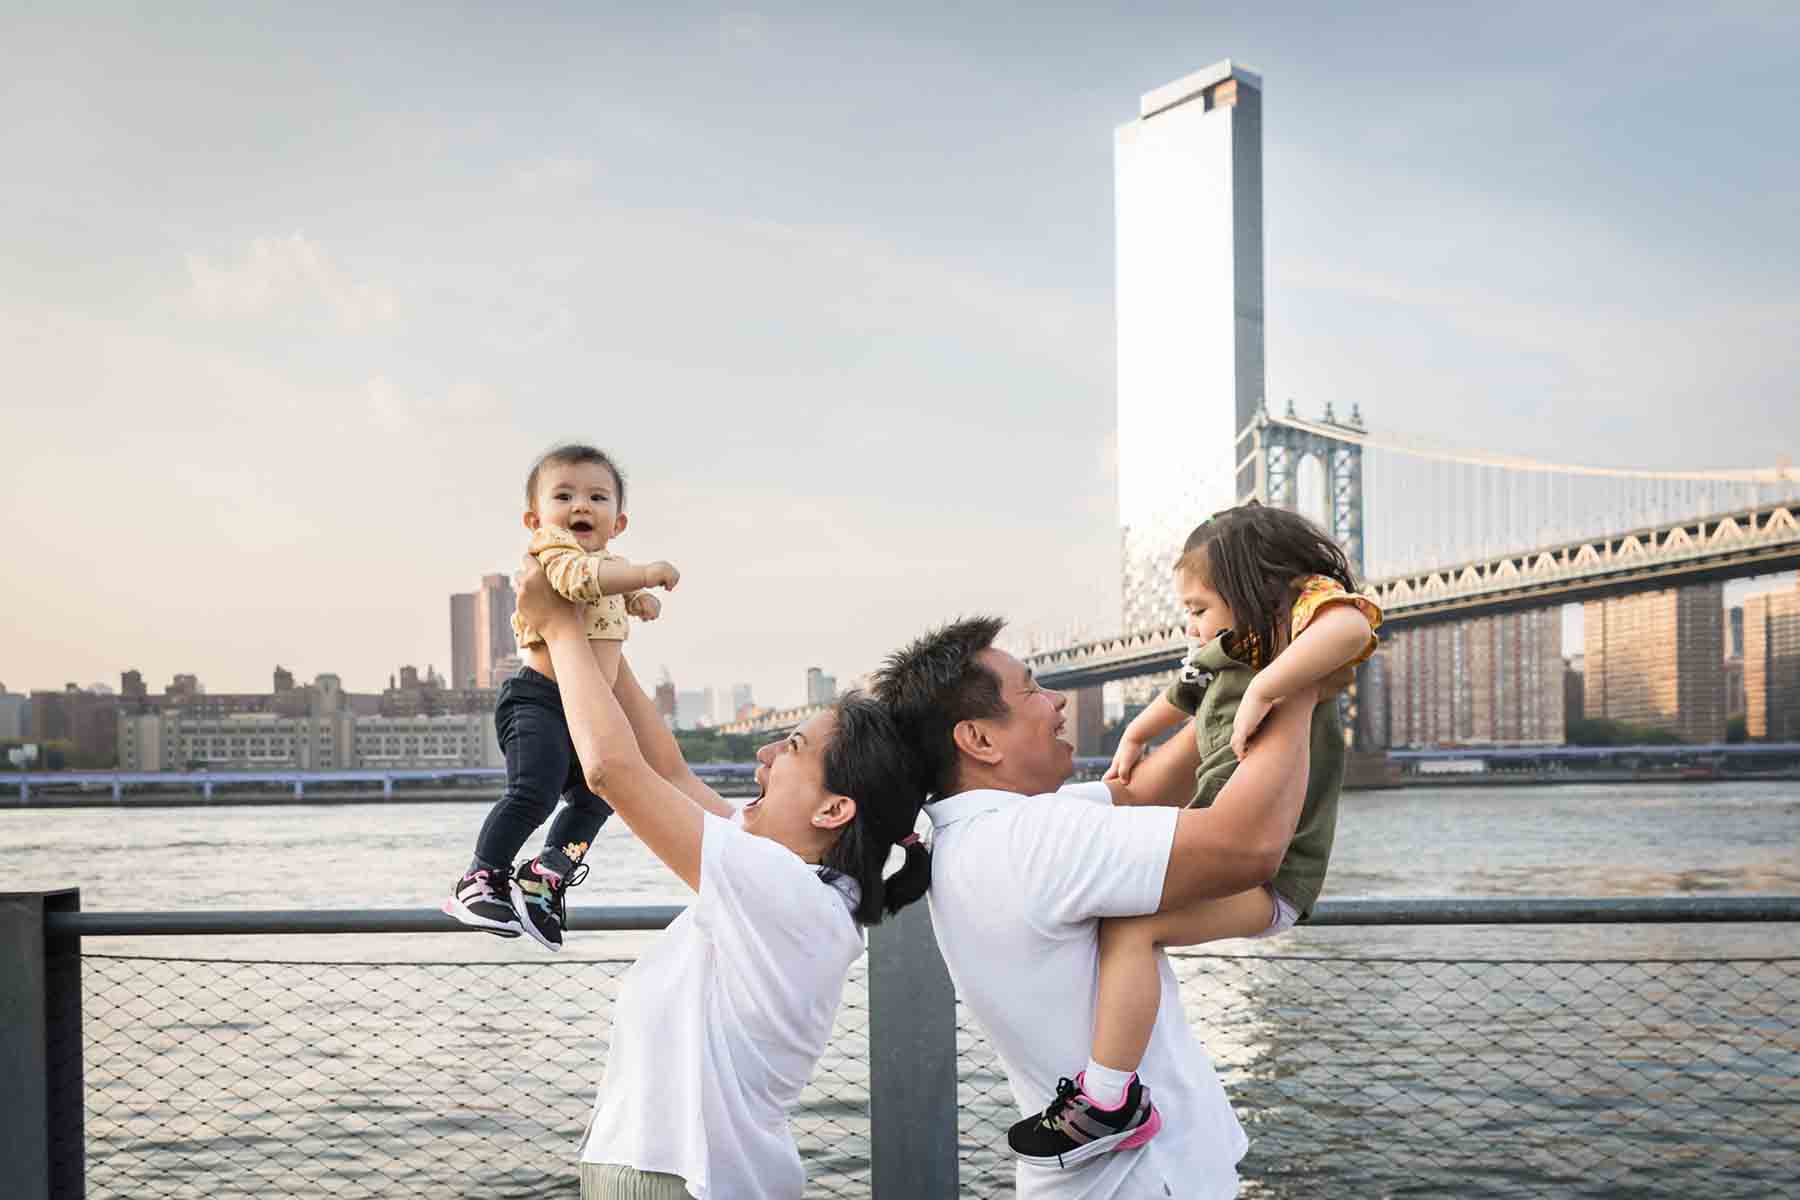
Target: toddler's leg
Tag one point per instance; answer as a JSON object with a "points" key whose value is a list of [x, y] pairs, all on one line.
{"points": [[1131, 986], [535, 740], [542, 883], [535, 766]]}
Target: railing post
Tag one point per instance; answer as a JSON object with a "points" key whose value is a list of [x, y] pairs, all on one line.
{"points": [[912, 1062], [42, 1144]]}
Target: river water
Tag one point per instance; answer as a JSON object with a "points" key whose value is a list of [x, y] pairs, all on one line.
{"points": [[1424, 1075]]}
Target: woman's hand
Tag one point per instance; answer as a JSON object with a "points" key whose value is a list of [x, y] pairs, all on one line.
{"points": [[538, 604]]}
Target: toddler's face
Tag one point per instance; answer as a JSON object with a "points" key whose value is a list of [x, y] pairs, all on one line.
{"points": [[1207, 615], [582, 498]]}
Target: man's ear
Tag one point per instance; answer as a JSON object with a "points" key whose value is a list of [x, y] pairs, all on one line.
{"points": [[972, 740], [619, 524], [531, 520], [838, 812]]}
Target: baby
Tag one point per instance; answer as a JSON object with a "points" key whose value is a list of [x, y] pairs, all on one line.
{"points": [[575, 506]]}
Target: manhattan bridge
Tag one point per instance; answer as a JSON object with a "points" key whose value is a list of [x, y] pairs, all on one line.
{"points": [[1499, 534]]}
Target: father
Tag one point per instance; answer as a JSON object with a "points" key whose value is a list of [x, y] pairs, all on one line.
{"points": [[1022, 872]]}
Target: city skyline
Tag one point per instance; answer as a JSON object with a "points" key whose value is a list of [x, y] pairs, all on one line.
{"points": [[857, 389]]}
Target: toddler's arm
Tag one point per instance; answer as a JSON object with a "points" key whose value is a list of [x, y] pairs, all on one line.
{"points": [[1145, 728], [585, 578], [1339, 634]]}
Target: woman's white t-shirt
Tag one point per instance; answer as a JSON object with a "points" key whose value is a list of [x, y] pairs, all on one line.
{"points": [[719, 1025]]}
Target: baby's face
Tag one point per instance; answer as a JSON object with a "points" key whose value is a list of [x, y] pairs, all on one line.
{"points": [[582, 498]]}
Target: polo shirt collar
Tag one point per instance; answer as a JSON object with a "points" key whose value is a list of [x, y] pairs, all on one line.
{"points": [[964, 805]]}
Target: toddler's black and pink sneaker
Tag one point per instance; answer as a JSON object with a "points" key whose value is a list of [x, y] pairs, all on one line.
{"points": [[482, 899], [537, 900], [1074, 1128]]}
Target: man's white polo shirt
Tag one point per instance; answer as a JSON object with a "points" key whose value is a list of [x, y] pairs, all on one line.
{"points": [[1018, 885]]}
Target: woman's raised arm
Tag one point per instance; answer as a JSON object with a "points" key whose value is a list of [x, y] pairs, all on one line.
{"points": [[660, 746], [661, 816]]}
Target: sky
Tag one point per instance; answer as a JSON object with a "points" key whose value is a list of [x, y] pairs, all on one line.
{"points": [[290, 298]]}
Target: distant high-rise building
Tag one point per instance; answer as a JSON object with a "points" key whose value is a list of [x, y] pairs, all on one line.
{"points": [[15, 711], [820, 687], [742, 702], [1188, 208], [183, 687], [84, 720], [1772, 665], [1734, 632], [131, 686], [284, 680], [665, 698], [462, 640], [1657, 660], [1484, 681], [493, 627], [1574, 688]]}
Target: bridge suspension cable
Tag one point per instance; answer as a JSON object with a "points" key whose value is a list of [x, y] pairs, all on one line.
{"points": [[1428, 506]]}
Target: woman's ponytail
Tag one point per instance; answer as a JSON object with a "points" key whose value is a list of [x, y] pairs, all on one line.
{"points": [[868, 760], [911, 881]]}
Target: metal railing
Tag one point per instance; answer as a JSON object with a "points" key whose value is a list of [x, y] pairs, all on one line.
{"points": [[176, 1075]]}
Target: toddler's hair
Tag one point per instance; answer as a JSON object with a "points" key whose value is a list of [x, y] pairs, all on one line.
{"points": [[1250, 555], [569, 454]]}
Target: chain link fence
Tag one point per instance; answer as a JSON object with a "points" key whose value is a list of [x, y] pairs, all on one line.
{"points": [[1366, 1077], [224, 1079], [1378, 1077]]}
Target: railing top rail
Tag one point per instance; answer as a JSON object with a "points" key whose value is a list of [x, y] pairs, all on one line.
{"points": [[1647, 910]]}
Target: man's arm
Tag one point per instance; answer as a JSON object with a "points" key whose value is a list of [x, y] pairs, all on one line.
{"points": [[659, 745], [1239, 842], [1166, 777]]}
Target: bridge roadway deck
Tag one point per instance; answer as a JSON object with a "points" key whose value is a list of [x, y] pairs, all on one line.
{"points": [[1736, 545]]}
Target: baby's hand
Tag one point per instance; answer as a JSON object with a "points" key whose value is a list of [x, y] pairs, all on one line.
{"points": [[1124, 759], [643, 606], [662, 575], [1251, 711]]}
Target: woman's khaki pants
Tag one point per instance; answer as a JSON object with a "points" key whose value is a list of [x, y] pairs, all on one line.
{"points": [[611, 1181]]}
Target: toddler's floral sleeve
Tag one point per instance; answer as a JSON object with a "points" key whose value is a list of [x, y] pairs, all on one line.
{"points": [[1317, 592], [572, 571]]}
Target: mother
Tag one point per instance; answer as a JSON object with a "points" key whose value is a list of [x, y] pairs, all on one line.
{"points": [[718, 1026]]}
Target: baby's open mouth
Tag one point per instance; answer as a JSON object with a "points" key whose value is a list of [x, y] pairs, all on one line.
{"points": [[581, 527]]}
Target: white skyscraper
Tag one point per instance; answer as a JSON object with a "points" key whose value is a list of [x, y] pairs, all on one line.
{"points": [[1188, 182]]}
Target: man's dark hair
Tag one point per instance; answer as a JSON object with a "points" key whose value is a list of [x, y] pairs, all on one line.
{"points": [[570, 454], [869, 761], [936, 683], [1251, 555]]}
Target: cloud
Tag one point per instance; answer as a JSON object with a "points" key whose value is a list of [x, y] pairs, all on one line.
{"points": [[554, 174], [287, 273], [743, 31]]}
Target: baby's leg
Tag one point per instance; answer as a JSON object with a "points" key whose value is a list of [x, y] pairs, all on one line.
{"points": [[1130, 985]]}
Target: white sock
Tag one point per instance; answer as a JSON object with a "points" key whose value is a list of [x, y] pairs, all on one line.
{"points": [[1105, 1086]]}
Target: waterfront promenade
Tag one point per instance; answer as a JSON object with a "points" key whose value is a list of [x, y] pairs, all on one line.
{"points": [[1516, 1060], [1442, 1074]]}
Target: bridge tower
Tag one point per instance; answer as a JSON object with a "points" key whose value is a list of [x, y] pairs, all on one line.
{"points": [[1278, 447]]}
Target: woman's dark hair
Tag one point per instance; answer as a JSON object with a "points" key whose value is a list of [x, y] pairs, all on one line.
{"points": [[1251, 555], [867, 760]]}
